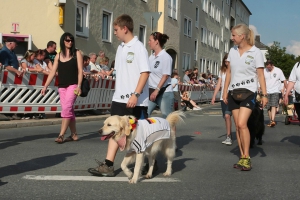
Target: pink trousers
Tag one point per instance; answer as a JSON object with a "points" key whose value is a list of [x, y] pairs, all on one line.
{"points": [[67, 100]]}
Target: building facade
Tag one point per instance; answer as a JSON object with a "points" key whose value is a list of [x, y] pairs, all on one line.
{"points": [[199, 30]]}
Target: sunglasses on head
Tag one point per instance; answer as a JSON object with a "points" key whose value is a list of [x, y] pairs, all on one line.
{"points": [[154, 35], [68, 40]]}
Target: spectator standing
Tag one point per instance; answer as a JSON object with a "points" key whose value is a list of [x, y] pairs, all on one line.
{"points": [[10, 62], [186, 78], [175, 82], [245, 69], [131, 88], [160, 89], [86, 65], [226, 112], [50, 53], [273, 76], [28, 64], [294, 83], [105, 68], [101, 55], [40, 60], [94, 68], [69, 65]]}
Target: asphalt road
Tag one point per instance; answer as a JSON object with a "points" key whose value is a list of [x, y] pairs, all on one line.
{"points": [[33, 166]]}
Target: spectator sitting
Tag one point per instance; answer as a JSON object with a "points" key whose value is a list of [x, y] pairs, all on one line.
{"points": [[28, 64], [185, 99], [39, 60], [105, 68], [95, 69]]}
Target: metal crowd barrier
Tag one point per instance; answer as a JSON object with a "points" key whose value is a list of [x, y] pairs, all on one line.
{"points": [[199, 93], [23, 94]]}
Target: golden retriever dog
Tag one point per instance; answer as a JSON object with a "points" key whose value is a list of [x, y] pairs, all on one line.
{"points": [[143, 137]]}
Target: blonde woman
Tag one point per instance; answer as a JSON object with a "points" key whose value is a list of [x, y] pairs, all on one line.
{"points": [[245, 70], [27, 63]]}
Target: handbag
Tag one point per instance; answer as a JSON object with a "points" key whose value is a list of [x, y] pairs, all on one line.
{"points": [[85, 87], [241, 94], [161, 91], [297, 96]]}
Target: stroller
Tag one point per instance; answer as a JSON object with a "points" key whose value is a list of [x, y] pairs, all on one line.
{"points": [[291, 114]]}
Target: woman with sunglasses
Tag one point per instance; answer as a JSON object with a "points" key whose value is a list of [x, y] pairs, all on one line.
{"points": [[70, 73]]}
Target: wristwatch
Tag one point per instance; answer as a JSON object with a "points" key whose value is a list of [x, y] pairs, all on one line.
{"points": [[136, 94]]}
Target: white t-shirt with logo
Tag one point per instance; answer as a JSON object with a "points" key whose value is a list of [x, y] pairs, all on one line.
{"points": [[222, 75], [273, 79], [295, 77], [243, 68], [160, 65], [131, 60]]}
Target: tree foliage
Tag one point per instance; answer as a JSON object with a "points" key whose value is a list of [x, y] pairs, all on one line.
{"points": [[281, 59]]}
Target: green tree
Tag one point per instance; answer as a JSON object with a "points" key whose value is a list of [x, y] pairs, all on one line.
{"points": [[281, 59]]}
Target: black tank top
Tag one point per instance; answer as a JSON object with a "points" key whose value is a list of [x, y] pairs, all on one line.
{"points": [[67, 72]]}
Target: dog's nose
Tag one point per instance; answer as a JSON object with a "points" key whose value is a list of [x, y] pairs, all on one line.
{"points": [[100, 131]]}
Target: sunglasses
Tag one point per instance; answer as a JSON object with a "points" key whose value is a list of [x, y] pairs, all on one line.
{"points": [[67, 40]]}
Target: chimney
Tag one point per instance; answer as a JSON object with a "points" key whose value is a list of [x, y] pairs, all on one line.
{"points": [[257, 38]]}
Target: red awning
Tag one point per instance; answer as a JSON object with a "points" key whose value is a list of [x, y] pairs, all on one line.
{"points": [[19, 37]]}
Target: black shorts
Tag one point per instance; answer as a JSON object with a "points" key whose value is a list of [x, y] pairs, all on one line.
{"points": [[280, 96], [247, 103], [140, 112]]}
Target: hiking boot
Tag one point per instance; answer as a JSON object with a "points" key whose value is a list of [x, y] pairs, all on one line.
{"points": [[227, 141], [246, 164], [102, 170], [146, 168]]}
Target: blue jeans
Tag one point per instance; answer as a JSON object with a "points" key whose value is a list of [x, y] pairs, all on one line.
{"points": [[165, 103]]}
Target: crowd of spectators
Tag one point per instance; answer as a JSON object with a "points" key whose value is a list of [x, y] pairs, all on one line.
{"points": [[193, 77]]}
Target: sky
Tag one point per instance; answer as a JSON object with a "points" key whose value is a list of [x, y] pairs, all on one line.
{"points": [[276, 20]]}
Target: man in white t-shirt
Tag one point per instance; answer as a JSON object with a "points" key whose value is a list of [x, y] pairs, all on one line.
{"points": [[131, 88], [273, 76]]}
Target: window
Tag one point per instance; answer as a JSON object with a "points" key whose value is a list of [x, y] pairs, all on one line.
{"points": [[202, 65], [186, 61], [227, 22], [204, 35], [228, 2], [226, 46], [217, 42], [142, 34], [197, 17], [222, 33], [204, 5], [195, 49], [223, 8], [82, 19], [106, 26], [187, 29], [172, 8]]}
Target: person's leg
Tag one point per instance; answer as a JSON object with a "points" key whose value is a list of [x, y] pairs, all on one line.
{"points": [[178, 98], [151, 106], [166, 103], [228, 124], [235, 114], [297, 109]]}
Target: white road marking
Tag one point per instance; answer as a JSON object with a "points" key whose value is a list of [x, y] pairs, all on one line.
{"points": [[94, 178], [215, 115]]}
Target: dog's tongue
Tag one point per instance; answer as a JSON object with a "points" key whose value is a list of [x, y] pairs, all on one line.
{"points": [[122, 143], [104, 137]]}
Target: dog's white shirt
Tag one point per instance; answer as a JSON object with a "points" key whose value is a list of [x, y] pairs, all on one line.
{"points": [[148, 131]]}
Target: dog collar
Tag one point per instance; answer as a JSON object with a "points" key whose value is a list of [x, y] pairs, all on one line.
{"points": [[132, 123]]}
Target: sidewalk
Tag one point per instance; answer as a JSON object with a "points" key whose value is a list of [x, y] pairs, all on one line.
{"points": [[52, 120]]}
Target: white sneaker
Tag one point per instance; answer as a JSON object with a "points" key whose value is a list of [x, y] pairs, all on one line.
{"points": [[197, 108], [227, 141]]}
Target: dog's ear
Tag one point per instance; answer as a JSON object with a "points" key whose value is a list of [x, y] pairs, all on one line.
{"points": [[125, 125]]}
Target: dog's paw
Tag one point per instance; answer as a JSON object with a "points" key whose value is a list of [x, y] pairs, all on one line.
{"points": [[167, 174], [148, 176], [132, 181]]}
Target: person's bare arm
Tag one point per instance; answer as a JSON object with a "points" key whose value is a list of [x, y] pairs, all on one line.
{"points": [[139, 88]]}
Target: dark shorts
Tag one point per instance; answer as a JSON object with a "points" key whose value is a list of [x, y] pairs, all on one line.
{"points": [[225, 109], [247, 103], [280, 96], [139, 112]]}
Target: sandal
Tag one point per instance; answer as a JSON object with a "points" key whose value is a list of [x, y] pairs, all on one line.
{"points": [[71, 138], [59, 139]]}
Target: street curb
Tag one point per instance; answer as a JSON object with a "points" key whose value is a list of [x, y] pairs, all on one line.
{"points": [[55, 121]]}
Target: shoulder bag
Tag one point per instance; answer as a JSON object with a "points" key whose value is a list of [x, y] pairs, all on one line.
{"points": [[241, 94]]}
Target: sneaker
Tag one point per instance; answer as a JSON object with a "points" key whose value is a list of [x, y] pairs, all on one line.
{"points": [[197, 108], [227, 141], [146, 168], [246, 165], [102, 170], [239, 164]]}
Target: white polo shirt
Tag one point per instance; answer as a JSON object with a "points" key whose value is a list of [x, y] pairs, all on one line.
{"points": [[160, 65], [273, 79], [243, 68], [94, 67], [295, 77], [222, 75], [131, 60]]}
